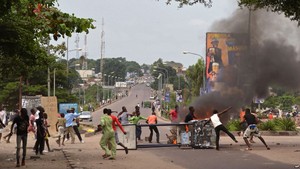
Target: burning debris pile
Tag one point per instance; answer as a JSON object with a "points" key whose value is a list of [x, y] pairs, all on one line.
{"points": [[271, 58]]}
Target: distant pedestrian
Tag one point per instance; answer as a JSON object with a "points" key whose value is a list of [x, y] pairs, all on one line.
{"points": [[11, 119], [40, 132], [108, 137], [174, 114], [152, 120], [124, 116], [115, 122], [135, 120], [31, 127], [252, 129], [219, 126], [153, 108], [243, 123], [60, 128], [2, 126], [47, 135], [190, 116], [22, 122], [3, 120], [76, 125], [69, 124]]}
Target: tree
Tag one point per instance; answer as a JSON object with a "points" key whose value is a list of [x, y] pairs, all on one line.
{"points": [[115, 67], [290, 8], [207, 3], [25, 28], [145, 67], [195, 76]]}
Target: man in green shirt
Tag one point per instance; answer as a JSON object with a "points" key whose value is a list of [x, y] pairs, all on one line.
{"points": [[134, 120], [108, 137]]}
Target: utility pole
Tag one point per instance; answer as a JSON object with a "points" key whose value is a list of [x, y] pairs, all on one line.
{"points": [[48, 79], [54, 79], [77, 46], [84, 64], [102, 56]]}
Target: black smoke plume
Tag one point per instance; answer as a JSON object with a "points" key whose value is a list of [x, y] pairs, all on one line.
{"points": [[271, 59]]}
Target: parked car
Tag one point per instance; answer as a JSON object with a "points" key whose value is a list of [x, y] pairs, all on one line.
{"points": [[86, 115], [152, 97]]}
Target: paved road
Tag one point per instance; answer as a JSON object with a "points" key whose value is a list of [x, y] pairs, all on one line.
{"points": [[129, 102], [284, 153], [143, 92]]}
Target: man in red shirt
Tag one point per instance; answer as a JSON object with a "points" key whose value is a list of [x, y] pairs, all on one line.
{"points": [[114, 122], [152, 119], [174, 114]]}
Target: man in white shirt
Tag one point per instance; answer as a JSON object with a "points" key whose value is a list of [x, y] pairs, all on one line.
{"points": [[219, 126], [3, 121]]}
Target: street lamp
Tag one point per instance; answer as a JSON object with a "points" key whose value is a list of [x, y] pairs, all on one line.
{"points": [[156, 67], [203, 72], [162, 73]]}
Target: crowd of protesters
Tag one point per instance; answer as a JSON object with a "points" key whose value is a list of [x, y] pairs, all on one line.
{"points": [[67, 126], [37, 123]]}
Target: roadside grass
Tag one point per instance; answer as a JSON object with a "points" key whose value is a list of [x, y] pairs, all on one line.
{"points": [[277, 124]]}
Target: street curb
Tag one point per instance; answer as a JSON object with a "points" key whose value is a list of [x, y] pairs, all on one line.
{"points": [[269, 133]]}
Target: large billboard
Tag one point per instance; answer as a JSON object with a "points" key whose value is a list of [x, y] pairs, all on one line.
{"points": [[223, 50], [63, 107]]}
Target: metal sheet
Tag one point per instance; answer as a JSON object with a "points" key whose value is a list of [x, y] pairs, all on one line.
{"points": [[129, 140]]}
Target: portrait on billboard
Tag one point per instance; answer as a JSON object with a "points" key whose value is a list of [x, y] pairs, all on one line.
{"points": [[223, 52]]}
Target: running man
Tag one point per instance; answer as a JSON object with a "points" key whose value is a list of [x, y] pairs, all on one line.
{"points": [[108, 137], [114, 122], [152, 119], [22, 122], [135, 120], [252, 129], [219, 126]]}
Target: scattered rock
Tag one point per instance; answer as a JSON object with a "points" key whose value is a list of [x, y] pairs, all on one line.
{"points": [[9, 159], [35, 157]]}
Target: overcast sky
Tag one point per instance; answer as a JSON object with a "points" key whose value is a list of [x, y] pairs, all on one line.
{"points": [[146, 30]]}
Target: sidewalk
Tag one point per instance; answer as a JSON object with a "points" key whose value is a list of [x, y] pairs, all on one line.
{"points": [[87, 155], [8, 158]]}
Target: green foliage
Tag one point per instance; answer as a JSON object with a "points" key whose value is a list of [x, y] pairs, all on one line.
{"points": [[234, 125], [285, 124], [277, 124], [271, 102], [195, 76], [63, 96], [268, 126], [287, 102], [168, 71], [207, 3], [297, 100], [9, 94], [26, 27], [289, 8], [147, 104], [284, 102], [133, 67]]}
